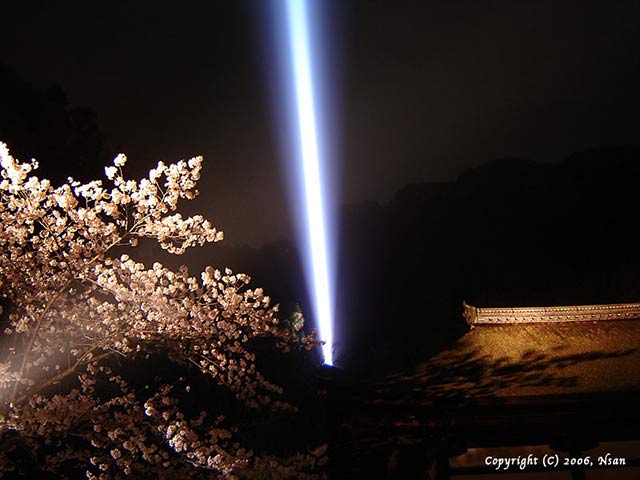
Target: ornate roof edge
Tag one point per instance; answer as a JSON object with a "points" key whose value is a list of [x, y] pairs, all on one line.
{"points": [[574, 313]]}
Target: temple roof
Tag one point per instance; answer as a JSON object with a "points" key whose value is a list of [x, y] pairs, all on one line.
{"points": [[511, 359], [562, 314]]}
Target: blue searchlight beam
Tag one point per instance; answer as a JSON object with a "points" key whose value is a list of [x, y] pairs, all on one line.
{"points": [[317, 242]]}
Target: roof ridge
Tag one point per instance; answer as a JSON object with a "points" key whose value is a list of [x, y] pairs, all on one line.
{"points": [[565, 313]]}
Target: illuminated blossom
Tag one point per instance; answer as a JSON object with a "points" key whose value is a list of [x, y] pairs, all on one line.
{"points": [[76, 304]]}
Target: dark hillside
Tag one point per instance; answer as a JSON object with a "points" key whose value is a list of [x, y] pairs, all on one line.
{"points": [[512, 232]]}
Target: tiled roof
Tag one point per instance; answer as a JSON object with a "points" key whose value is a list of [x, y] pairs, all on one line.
{"points": [[519, 359], [576, 313]]}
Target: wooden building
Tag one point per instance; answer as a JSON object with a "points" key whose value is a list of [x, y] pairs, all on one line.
{"points": [[527, 382]]}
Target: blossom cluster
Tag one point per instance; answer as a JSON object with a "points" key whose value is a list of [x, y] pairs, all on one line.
{"points": [[75, 305]]}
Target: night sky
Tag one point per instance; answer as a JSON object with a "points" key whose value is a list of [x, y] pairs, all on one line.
{"points": [[425, 89]]}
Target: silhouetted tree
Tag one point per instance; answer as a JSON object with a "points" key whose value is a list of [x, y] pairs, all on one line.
{"points": [[38, 123]]}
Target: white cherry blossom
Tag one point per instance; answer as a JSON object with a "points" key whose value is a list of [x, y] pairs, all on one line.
{"points": [[75, 306]]}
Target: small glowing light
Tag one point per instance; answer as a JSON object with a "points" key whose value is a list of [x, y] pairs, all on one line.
{"points": [[317, 242]]}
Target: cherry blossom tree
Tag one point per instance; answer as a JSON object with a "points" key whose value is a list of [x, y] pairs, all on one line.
{"points": [[79, 308]]}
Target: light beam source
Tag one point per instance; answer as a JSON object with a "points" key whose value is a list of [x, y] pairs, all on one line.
{"points": [[315, 204]]}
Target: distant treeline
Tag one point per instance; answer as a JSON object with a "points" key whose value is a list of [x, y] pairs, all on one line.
{"points": [[512, 232]]}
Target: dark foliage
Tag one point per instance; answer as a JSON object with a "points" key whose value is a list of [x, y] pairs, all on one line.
{"points": [[37, 122], [513, 232]]}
